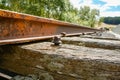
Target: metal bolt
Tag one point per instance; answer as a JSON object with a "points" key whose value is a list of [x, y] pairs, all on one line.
{"points": [[56, 40], [63, 34], [83, 33]]}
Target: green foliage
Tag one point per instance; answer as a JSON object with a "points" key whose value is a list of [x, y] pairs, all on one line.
{"points": [[88, 16], [112, 20], [100, 21], [56, 9]]}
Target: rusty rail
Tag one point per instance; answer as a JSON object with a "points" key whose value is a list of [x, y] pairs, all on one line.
{"points": [[18, 28]]}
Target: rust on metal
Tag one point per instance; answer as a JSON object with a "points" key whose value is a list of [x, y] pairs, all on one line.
{"points": [[57, 40], [63, 34], [18, 28]]}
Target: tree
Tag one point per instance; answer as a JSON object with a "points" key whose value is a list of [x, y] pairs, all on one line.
{"points": [[112, 20], [88, 16], [101, 19], [44, 8]]}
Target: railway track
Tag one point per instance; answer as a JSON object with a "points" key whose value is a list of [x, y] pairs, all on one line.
{"points": [[19, 28]]}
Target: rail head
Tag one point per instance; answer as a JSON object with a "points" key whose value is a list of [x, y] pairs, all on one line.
{"points": [[16, 15]]}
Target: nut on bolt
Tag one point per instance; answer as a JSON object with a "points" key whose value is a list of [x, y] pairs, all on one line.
{"points": [[57, 40], [63, 34], [83, 33]]}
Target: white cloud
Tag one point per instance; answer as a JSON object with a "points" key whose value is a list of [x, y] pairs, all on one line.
{"points": [[79, 3], [102, 8], [112, 2], [110, 13], [89, 3], [75, 3], [108, 4]]}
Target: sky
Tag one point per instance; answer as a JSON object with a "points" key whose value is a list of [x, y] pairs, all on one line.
{"points": [[107, 7]]}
